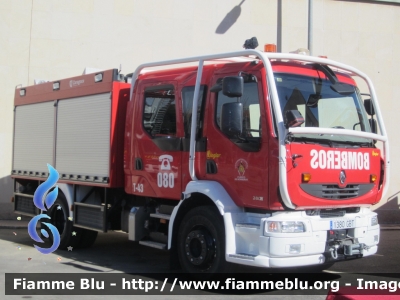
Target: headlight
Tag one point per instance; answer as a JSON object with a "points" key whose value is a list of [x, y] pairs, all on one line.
{"points": [[285, 226], [374, 221]]}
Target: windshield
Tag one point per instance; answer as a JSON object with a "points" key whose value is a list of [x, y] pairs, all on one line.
{"points": [[322, 106]]}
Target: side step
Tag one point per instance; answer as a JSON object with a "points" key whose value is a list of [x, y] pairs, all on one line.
{"points": [[248, 225], [160, 216], [153, 244], [144, 227], [243, 256]]}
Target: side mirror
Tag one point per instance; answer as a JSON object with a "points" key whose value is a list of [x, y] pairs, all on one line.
{"points": [[232, 86], [293, 118], [369, 107], [232, 119], [373, 125]]}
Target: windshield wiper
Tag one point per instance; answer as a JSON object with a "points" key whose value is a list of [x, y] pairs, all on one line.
{"points": [[327, 142], [308, 140], [338, 87], [356, 144]]}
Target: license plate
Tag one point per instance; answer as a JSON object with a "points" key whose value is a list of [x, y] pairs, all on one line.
{"points": [[343, 223]]}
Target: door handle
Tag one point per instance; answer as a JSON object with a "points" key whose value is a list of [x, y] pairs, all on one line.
{"points": [[138, 163], [211, 167]]}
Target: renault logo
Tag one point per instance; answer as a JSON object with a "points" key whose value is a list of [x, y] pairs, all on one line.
{"points": [[342, 177]]}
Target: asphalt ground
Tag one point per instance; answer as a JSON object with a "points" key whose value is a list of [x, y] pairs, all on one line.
{"points": [[113, 253]]}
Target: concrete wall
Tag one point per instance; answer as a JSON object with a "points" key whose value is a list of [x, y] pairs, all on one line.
{"points": [[53, 39]]}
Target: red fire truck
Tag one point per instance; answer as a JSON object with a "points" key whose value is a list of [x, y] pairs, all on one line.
{"points": [[255, 158]]}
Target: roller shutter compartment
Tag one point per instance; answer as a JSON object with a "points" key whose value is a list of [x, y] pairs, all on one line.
{"points": [[33, 139], [83, 138]]}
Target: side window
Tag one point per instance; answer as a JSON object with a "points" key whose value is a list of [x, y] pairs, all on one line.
{"points": [[187, 105], [159, 115], [251, 110]]}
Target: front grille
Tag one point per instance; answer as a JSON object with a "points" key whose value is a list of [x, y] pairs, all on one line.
{"points": [[334, 192], [332, 213]]}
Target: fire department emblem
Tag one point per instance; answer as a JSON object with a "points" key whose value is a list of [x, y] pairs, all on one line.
{"points": [[342, 177], [241, 167]]}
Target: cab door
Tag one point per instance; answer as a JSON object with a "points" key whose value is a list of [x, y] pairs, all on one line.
{"points": [[240, 162], [156, 141]]}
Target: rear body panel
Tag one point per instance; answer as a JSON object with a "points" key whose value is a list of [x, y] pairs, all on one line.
{"points": [[78, 129]]}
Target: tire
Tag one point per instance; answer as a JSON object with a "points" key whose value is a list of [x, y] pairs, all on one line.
{"points": [[201, 242], [59, 218], [88, 238]]}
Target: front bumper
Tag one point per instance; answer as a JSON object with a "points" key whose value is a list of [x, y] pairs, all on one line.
{"points": [[255, 248], [287, 262]]}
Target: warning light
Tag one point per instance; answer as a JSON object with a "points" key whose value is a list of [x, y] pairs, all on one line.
{"points": [[269, 48], [306, 177], [98, 77], [56, 86], [373, 177], [322, 56]]}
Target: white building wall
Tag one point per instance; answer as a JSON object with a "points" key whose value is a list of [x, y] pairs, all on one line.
{"points": [[53, 39]]}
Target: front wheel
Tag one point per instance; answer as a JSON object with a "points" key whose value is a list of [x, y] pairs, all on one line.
{"points": [[201, 241]]}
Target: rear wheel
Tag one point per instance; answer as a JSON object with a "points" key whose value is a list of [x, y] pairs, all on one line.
{"points": [[59, 213], [201, 241], [88, 238]]}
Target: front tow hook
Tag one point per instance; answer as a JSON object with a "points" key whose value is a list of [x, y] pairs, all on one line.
{"points": [[333, 251]]}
